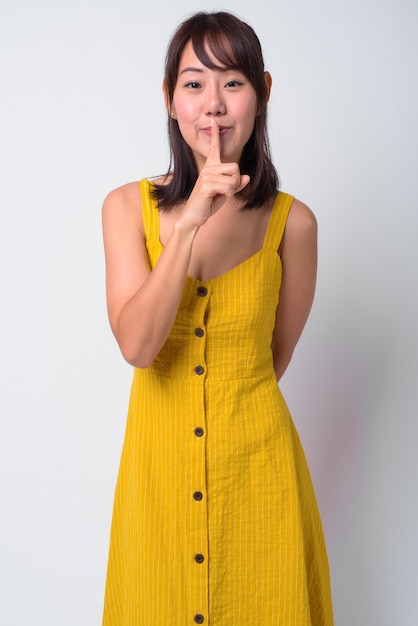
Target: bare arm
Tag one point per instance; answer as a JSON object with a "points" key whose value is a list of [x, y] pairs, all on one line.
{"points": [[299, 262], [143, 304]]}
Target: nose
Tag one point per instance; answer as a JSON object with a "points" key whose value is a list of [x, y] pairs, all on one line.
{"points": [[215, 104]]}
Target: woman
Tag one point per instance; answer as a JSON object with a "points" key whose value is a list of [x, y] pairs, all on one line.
{"points": [[215, 519]]}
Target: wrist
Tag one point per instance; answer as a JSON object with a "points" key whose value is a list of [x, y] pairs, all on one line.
{"points": [[184, 229]]}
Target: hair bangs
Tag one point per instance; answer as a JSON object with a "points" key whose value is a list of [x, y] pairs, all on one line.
{"points": [[219, 45]]}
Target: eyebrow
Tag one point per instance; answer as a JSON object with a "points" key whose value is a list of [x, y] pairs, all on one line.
{"points": [[191, 69], [200, 70]]}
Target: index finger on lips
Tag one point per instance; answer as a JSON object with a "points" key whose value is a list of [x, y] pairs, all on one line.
{"points": [[214, 155]]}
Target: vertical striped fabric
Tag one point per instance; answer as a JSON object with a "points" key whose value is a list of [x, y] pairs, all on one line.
{"points": [[215, 519]]}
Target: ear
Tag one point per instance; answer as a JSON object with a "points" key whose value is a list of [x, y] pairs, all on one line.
{"points": [[168, 106], [269, 82]]}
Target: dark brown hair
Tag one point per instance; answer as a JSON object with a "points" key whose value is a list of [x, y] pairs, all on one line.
{"points": [[235, 45]]}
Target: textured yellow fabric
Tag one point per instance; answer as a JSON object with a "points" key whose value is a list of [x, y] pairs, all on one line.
{"points": [[215, 519]]}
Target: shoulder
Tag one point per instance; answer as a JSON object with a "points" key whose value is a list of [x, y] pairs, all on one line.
{"points": [[301, 222], [123, 204], [122, 197], [301, 230], [301, 217]]}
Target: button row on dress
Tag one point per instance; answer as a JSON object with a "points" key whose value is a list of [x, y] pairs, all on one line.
{"points": [[199, 432]]}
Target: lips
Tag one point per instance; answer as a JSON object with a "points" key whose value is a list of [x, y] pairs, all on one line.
{"points": [[222, 130]]}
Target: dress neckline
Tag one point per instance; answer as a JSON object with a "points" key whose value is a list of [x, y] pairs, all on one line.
{"points": [[271, 240], [239, 265]]}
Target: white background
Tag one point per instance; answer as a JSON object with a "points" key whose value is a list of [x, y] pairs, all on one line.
{"points": [[81, 113]]}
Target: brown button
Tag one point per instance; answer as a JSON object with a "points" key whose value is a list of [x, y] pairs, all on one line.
{"points": [[199, 558], [199, 332], [202, 291], [199, 619], [199, 432], [198, 495], [199, 370]]}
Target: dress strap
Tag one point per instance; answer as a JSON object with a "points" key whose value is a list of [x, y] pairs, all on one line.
{"points": [[278, 220], [150, 218]]}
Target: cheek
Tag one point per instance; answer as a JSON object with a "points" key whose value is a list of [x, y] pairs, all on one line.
{"points": [[251, 109], [184, 108], [248, 113], [246, 108]]}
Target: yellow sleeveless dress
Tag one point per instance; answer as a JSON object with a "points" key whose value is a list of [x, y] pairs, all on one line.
{"points": [[215, 519]]}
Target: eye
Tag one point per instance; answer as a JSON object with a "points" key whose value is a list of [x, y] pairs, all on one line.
{"points": [[192, 85], [234, 83]]}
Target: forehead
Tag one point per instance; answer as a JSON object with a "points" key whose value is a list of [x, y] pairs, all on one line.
{"points": [[189, 58], [211, 52], [188, 55]]}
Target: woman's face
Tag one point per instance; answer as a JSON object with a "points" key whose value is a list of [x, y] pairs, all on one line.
{"points": [[202, 93]]}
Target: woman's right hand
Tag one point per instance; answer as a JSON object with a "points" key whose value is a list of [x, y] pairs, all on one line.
{"points": [[216, 183]]}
